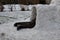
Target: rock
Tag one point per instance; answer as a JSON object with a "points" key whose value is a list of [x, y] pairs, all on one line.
{"points": [[55, 2], [1, 7], [7, 8], [22, 9]]}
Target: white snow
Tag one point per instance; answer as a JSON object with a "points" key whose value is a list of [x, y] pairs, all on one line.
{"points": [[6, 17], [47, 26], [18, 8], [55, 2], [7, 8]]}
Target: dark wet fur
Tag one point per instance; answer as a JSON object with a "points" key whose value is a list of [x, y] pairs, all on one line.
{"points": [[24, 25]]}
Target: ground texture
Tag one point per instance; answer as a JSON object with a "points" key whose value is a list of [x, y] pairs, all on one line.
{"points": [[47, 26]]}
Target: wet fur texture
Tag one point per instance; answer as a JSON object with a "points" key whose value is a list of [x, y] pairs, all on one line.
{"points": [[24, 25]]}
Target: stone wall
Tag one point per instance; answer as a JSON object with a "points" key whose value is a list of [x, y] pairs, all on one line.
{"points": [[27, 1], [48, 1]]}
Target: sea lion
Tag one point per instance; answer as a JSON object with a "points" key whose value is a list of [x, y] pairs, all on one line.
{"points": [[23, 25], [31, 24]]}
